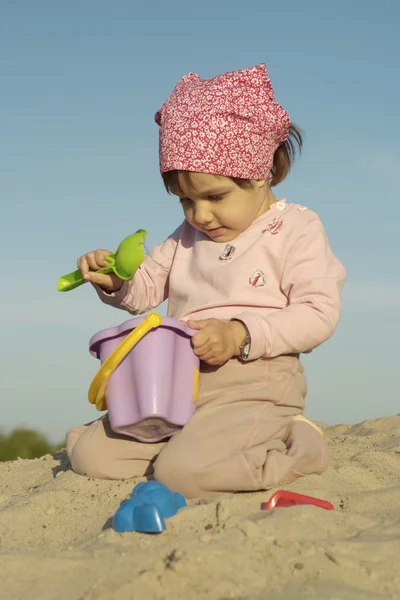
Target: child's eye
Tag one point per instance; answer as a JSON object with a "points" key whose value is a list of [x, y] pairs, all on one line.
{"points": [[212, 198]]}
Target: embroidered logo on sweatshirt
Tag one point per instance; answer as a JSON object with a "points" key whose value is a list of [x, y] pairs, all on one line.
{"points": [[257, 279], [227, 252], [275, 226]]}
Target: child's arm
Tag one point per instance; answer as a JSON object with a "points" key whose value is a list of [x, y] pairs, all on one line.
{"points": [[149, 288], [312, 281]]}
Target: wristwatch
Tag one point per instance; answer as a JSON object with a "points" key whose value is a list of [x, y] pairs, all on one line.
{"points": [[246, 344]]}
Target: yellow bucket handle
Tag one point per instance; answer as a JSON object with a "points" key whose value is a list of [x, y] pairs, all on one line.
{"points": [[98, 386]]}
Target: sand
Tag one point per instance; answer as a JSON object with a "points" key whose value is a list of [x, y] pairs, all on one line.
{"points": [[56, 540]]}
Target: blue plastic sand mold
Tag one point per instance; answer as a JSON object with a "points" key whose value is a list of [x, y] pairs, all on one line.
{"points": [[150, 503]]}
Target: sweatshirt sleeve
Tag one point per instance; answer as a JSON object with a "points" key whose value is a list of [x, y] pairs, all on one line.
{"points": [[149, 287], [312, 280]]}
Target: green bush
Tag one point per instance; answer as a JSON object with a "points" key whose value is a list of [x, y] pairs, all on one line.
{"points": [[24, 443]]}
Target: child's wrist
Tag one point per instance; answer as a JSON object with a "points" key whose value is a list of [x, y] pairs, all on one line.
{"points": [[239, 335]]}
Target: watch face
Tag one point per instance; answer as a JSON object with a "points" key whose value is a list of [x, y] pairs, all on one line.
{"points": [[245, 350], [245, 346]]}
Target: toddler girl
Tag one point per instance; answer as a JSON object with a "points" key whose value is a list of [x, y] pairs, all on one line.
{"points": [[254, 276]]}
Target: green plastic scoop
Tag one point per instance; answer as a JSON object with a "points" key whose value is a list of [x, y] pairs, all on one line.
{"points": [[124, 262]]}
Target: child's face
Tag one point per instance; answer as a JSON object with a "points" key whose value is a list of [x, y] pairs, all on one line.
{"points": [[218, 207]]}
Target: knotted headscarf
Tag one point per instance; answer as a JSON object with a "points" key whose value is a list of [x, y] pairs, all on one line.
{"points": [[228, 125]]}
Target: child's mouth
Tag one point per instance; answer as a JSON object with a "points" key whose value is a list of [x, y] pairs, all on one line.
{"points": [[216, 231]]}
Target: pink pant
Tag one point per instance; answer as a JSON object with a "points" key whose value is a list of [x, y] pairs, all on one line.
{"points": [[242, 436]]}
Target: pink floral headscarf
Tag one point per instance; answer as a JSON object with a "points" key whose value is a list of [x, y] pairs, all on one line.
{"points": [[228, 125]]}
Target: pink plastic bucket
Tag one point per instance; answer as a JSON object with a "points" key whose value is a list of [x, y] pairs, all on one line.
{"points": [[152, 392]]}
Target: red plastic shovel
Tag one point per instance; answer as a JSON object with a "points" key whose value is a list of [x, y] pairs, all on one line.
{"points": [[283, 498]]}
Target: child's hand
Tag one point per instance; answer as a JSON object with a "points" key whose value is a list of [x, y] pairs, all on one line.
{"points": [[217, 341], [97, 260]]}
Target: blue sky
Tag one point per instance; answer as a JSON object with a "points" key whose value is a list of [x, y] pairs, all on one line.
{"points": [[80, 83]]}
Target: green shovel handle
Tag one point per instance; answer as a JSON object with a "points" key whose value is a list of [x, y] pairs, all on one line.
{"points": [[73, 280]]}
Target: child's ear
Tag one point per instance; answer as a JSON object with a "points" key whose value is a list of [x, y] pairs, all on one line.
{"points": [[259, 183]]}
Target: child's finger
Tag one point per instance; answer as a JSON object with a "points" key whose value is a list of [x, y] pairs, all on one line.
{"points": [[100, 257], [88, 262], [83, 265], [200, 339], [193, 324], [202, 350], [211, 359], [94, 260]]}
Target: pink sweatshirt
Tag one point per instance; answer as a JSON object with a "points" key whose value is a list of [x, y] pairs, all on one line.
{"points": [[279, 277]]}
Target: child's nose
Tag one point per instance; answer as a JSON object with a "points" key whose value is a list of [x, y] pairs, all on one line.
{"points": [[202, 213]]}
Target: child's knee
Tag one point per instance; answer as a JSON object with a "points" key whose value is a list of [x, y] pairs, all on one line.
{"points": [[72, 436], [177, 469], [308, 446], [83, 460], [87, 458]]}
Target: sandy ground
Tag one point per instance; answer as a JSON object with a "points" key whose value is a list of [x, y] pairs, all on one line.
{"points": [[56, 540]]}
